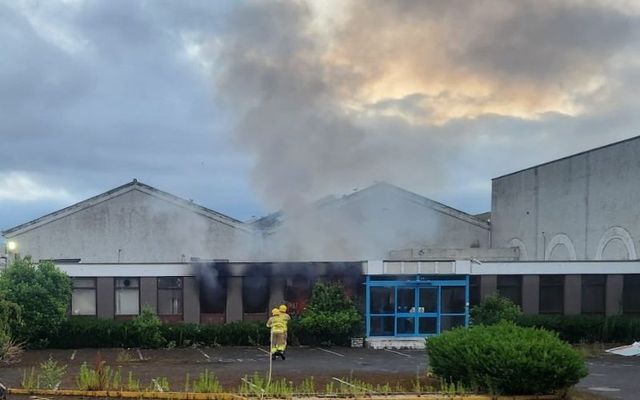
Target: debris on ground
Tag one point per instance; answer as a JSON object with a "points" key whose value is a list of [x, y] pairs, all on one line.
{"points": [[629, 350]]}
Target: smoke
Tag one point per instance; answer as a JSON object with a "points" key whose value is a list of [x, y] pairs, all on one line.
{"points": [[329, 100]]}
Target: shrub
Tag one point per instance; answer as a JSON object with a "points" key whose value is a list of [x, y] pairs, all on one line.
{"points": [[145, 329], [505, 359], [42, 292], [330, 317], [494, 309]]}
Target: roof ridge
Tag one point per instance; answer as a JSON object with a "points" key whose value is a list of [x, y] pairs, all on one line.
{"points": [[134, 182]]}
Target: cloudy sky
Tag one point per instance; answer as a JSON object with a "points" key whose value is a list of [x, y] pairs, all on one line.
{"points": [[249, 107]]}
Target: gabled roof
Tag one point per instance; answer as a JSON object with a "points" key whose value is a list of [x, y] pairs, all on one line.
{"points": [[272, 221], [120, 190]]}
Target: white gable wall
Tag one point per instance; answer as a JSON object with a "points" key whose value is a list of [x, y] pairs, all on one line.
{"points": [[132, 227]]}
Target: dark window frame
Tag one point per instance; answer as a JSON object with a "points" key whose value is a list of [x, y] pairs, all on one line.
{"points": [[510, 282], [95, 295], [629, 288], [116, 289], [173, 289], [588, 284], [554, 282]]}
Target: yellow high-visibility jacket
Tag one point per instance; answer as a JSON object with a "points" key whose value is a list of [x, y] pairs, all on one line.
{"points": [[277, 324], [285, 318]]}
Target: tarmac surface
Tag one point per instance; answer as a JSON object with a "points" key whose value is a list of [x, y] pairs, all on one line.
{"points": [[610, 376], [613, 377]]}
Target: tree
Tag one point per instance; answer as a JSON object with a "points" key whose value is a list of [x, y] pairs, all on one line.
{"points": [[42, 292]]}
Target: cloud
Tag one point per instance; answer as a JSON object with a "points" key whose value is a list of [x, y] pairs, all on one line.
{"points": [[20, 187], [427, 95]]}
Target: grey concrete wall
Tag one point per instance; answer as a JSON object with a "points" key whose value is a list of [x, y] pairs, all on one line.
{"points": [[530, 294], [149, 292], [191, 297], [591, 198], [613, 302], [134, 227], [106, 298], [572, 294], [234, 299]]}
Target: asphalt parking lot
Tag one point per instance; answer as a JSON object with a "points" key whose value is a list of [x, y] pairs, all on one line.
{"points": [[613, 376], [231, 364], [610, 376]]}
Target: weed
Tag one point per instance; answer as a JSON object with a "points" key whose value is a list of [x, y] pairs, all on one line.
{"points": [[206, 382], [159, 384], [307, 387], [133, 384], [31, 380], [124, 356], [52, 374]]}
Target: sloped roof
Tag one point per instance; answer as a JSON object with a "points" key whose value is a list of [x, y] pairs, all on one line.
{"points": [[273, 220], [570, 156], [120, 190]]}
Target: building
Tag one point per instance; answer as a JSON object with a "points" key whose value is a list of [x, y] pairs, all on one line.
{"points": [[561, 240]]}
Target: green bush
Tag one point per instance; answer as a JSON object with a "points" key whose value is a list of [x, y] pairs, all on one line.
{"points": [[330, 317], [43, 294], [145, 329], [505, 359], [587, 328], [494, 309]]}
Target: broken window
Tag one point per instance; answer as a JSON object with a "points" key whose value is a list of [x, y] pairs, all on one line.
{"points": [[170, 296], [297, 292], [127, 294], [593, 294], [255, 293], [213, 295], [83, 298], [551, 294], [510, 287]]}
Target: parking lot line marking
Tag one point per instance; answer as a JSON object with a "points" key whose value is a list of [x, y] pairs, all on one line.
{"points": [[397, 352], [329, 351], [73, 355], [204, 354], [140, 355], [263, 350]]}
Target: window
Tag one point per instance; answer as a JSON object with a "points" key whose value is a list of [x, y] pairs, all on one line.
{"points": [[127, 296], [213, 295], [297, 292], [170, 296], [594, 288], [83, 298], [510, 286], [551, 294], [474, 290], [630, 297], [255, 294]]}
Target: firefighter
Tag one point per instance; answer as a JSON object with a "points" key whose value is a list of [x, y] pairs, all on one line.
{"points": [[278, 329], [285, 319]]}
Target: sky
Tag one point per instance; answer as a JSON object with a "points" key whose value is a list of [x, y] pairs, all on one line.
{"points": [[249, 107]]}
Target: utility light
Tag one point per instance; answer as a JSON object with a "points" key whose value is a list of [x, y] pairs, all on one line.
{"points": [[11, 245]]}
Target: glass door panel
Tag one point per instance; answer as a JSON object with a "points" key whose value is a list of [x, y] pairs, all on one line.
{"points": [[382, 300], [428, 300], [428, 325], [406, 300]]}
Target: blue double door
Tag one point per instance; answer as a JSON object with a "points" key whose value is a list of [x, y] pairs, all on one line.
{"points": [[416, 308]]}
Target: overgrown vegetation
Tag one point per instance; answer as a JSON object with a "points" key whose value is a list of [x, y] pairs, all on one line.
{"points": [[505, 359], [330, 317], [42, 294], [48, 376], [494, 309]]}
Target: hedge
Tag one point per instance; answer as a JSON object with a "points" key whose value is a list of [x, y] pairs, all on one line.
{"points": [[587, 328], [91, 332], [505, 359]]}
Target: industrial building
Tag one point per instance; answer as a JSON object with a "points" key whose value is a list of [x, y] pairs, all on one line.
{"points": [[561, 238]]}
